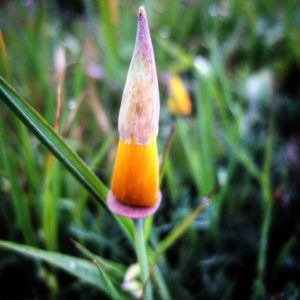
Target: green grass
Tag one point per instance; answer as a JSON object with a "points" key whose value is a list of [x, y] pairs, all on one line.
{"points": [[242, 135]]}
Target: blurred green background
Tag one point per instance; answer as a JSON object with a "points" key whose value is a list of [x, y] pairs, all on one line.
{"points": [[240, 64]]}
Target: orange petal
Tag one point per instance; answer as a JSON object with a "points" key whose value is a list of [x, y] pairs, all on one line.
{"points": [[135, 177]]}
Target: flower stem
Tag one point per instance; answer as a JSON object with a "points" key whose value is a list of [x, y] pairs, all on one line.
{"points": [[140, 249]]}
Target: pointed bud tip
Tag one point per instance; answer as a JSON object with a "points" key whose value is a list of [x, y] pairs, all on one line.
{"points": [[143, 34], [139, 112], [142, 21], [142, 11]]}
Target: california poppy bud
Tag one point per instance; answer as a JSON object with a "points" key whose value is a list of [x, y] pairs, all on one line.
{"points": [[135, 181]]}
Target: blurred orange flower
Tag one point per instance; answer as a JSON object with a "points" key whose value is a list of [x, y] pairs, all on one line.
{"points": [[179, 101]]}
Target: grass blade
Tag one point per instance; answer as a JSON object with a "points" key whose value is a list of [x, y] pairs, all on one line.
{"points": [[80, 268], [44, 132], [19, 199], [180, 229], [207, 172], [112, 267], [103, 266], [51, 198], [53, 142]]}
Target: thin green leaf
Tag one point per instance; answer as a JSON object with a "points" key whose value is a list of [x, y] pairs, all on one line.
{"points": [[51, 198], [244, 158], [99, 156], [192, 155], [166, 152], [171, 180], [19, 199], [179, 230], [204, 106], [183, 60], [80, 268], [106, 264], [109, 41], [44, 132], [53, 142], [29, 159], [103, 265]]}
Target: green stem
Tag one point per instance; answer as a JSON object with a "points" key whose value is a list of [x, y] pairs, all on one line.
{"points": [[260, 290], [140, 249], [265, 182]]}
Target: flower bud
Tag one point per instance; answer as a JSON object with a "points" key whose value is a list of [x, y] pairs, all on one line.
{"points": [[135, 181], [139, 113]]}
